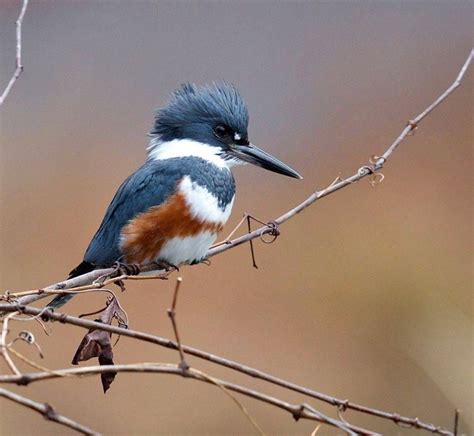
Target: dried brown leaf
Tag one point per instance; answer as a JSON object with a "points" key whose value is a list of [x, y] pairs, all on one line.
{"points": [[97, 343]]}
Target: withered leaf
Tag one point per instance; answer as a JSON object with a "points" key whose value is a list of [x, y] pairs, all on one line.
{"points": [[97, 343]]}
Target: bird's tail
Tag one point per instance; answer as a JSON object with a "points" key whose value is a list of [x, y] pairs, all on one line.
{"points": [[59, 301]]}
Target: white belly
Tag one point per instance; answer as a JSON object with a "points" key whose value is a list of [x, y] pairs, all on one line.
{"points": [[204, 207], [187, 249]]}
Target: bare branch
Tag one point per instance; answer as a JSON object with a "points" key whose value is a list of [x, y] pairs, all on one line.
{"points": [[456, 422], [19, 65], [252, 372], [81, 283], [4, 345], [183, 365], [302, 411], [360, 174], [48, 412], [233, 398], [172, 315]]}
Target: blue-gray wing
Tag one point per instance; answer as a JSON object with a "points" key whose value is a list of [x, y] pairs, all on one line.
{"points": [[149, 186]]}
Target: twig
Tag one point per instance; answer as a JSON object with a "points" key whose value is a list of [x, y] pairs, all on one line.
{"points": [[183, 365], [85, 282], [297, 411], [341, 424], [47, 411], [4, 345], [246, 217], [233, 398], [30, 362], [252, 372], [172, 315], [413, 124], [456, 422], [364, 171], [19, 65]]}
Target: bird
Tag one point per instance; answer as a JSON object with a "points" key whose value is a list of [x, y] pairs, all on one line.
{"points": [[171, 209]]}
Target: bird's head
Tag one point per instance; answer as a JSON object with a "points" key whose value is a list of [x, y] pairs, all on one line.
{"points": [[213, 116]]}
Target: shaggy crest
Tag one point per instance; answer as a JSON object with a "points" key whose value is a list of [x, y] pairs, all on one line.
{"points": [[193, 106]]}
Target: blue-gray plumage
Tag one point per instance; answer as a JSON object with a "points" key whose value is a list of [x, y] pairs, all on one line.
{"points": [[171, 209], [151, 185]]}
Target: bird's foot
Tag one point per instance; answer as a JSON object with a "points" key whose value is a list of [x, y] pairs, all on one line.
{"points": [[126, 269], [119, 269]]}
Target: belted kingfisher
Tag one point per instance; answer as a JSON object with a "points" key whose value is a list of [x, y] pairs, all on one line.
{"points": [[171, 209]]}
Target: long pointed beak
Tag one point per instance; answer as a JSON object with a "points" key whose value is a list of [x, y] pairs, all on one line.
{"points": [[254, 155]]}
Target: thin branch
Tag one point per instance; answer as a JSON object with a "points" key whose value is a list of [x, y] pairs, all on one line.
{"points": [[172, 315], [234, 399], [298, 411], [364, 171], [4, 345], [360, 174], [48, 412], [18, 62], [183, 365], [80, 283], [252, 372], [456, 422]]}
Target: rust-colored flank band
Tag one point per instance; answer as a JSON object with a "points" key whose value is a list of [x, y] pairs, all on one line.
{"points": [[144, 236]]}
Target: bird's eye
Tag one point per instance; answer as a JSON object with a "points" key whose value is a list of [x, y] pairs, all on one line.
{"points": [[221, 131]]}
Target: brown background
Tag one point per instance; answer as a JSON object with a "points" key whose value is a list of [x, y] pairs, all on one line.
{"points": [[365, 296]]}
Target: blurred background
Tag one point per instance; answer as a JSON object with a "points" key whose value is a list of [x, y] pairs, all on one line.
{"points": [[367, 295]]}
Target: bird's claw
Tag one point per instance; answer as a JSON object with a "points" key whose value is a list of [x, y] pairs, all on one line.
{"points": [[119, 269], [127, 269]]}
